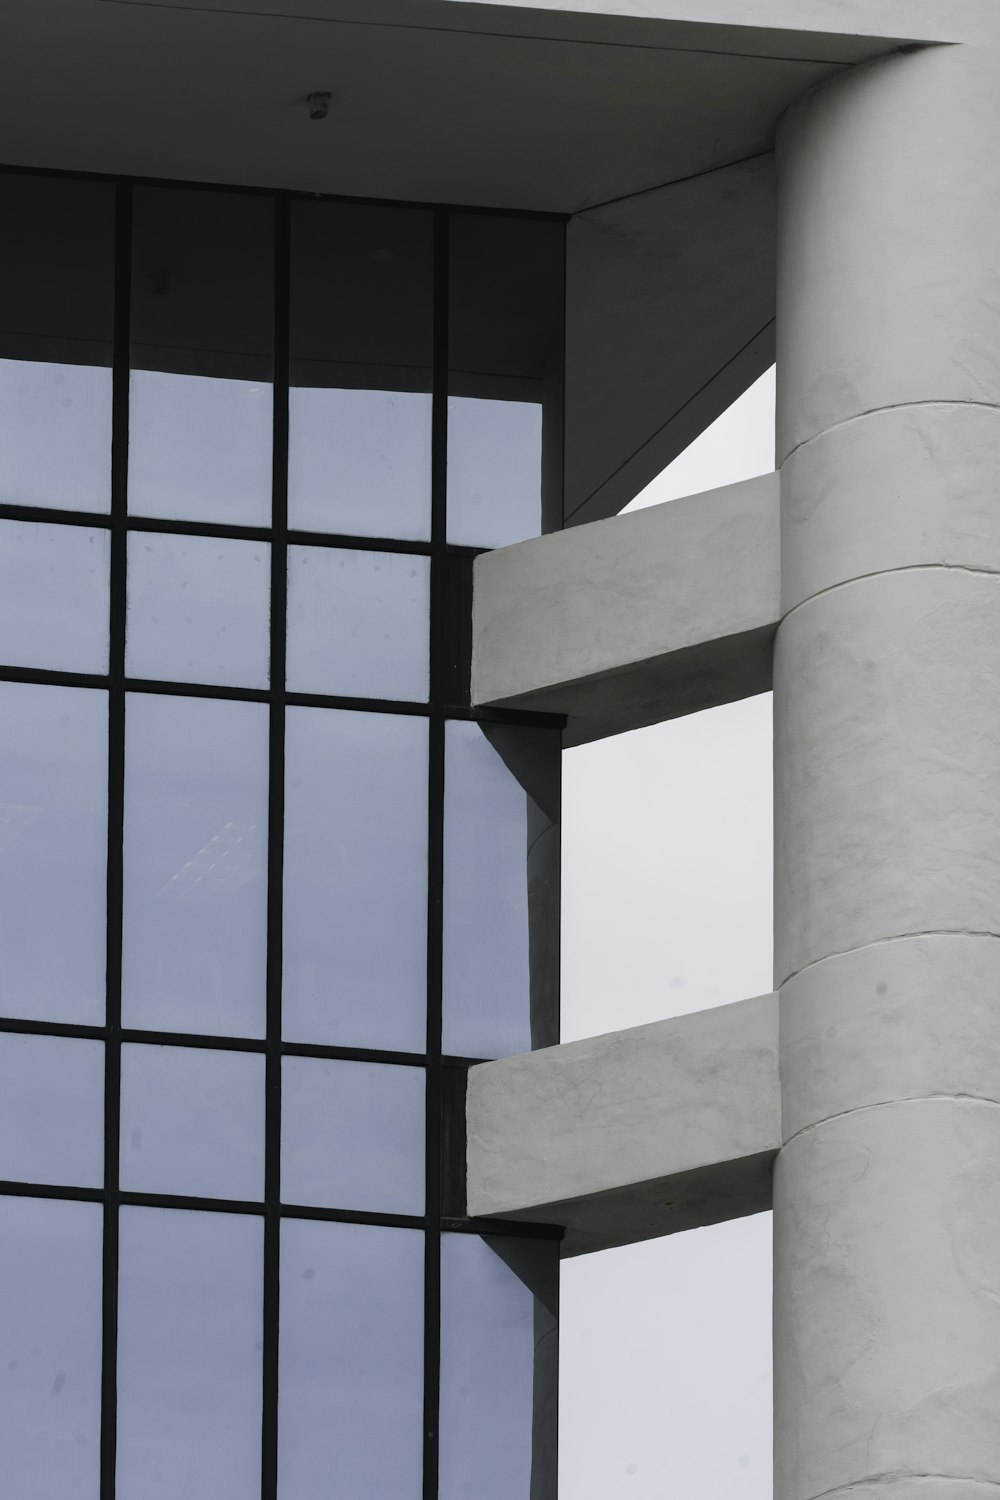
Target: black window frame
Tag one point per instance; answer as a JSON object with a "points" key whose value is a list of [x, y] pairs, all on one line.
{"points": [[450, 651]]}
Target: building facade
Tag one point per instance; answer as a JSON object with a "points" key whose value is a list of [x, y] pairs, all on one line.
{"points": [[331, 340]]}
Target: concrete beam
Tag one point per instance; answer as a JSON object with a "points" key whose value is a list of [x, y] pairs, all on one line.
{"points": [[630, 621], [626, 1137]]}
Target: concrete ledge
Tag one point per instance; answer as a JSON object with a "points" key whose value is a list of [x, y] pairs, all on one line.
{"points": [[630, 621], [630, 1136]]}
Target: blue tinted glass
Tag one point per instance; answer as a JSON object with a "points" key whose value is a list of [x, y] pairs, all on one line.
{"points": [[50, 1335], [352, 1135], [190, 1300], [350, 1404], [359, 441], [505, 378], [195, 915], [198, 609], [498, 1367], [355, 950], [53, 852], [51, 1110], [56, 320], [501, 888], [359, 462], [358, 623], [54, 596], [494, 471], [201, 402], [192, 1122], [200, 448]]}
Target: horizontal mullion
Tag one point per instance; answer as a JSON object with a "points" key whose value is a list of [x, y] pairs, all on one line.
{"points": [[171, 527], [9, 1189], [191, 1204], [352, 1216], [513, 1227], [53, 515], [51, 677], [19, 1025], [345, 542], [353, 1054], [22, 1026]]}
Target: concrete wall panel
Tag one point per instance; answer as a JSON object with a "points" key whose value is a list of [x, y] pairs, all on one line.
{"points": [[887, 751], [888, 1375]]}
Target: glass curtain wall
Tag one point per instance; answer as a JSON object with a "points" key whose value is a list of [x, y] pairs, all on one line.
{"points": [[268, 885]]}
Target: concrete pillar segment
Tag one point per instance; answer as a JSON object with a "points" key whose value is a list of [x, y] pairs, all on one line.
{"points": [[887, 767]]}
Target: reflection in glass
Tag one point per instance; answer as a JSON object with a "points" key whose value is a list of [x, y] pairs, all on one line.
{"points": [[355, 872], [359, 462], [200, 448], [200, 405], [189, 1355], [51, 1110], [195, 905], [505, 376], [54, 596], [359, 459], [350, 1403], [498, 1367], [56, 317], [50, 1335], [352, 1135], [192, 1122], [501, 888], [198, 609], [358, 623], [494, 471], [53, 851]]}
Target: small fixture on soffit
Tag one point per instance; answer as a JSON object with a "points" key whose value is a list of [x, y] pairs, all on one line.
{"points": [[319, 105]]}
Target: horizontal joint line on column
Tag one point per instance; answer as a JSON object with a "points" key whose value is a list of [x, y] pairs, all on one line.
{"points": [[846, 583], [895, 937], [896, 1476], [864, 1109], [875, 411]]}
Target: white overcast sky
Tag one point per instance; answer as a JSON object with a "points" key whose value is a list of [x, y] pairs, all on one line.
{"points": [[665, 1351]]}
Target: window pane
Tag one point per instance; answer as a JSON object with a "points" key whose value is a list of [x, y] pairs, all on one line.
{"points": [[50, 1335], [198, 609], [498, 1367], [355, 953], [200, 394], [501, 889], [358, 623], [359, 459], [54, 596], [195, 914], [352, 1135], [192, 1122], [53, 852], [51, 1110], [189, 1355], [505, 379], [350, 1405], [56, 315]]}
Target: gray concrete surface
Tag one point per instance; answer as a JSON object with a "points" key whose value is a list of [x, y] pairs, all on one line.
{"points": [[631, 1135], [636, 619], [887, 785]]}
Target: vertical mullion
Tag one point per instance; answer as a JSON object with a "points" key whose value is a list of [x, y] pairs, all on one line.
{"points": [[275, 846], [116, 822], [435, 857]]}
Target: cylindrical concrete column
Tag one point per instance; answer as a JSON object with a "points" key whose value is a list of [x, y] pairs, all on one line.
{"points": [[887, 766]]}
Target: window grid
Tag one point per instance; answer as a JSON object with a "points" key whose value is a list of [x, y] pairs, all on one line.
{"points": [[445, 1074]]}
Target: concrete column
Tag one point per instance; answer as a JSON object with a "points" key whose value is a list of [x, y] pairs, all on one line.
{"points": [[887, 749]]}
